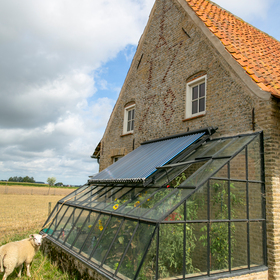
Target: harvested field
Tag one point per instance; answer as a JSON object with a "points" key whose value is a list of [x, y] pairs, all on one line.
{"points": [[21, 212], [34, 190]]}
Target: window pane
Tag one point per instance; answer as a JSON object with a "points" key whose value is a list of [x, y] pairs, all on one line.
{"points": [[128, 197], [148, 270], [238, 166], [136, 250], [167, 204], [255, 201], [94, 234], [235, 146], [202, 105], [204, 173], [239, 258], [254, 160], [87, 197], [219, 247], [177, 214], [202, 90], [136, 201], [194, 92], [129, 115], [106, 240], [222, 173], [238, 200], [218, 200], [62, 222], [197, 205], [194, 107], [128, 126], [256, 244], [123, 238], [132, 124], [108, 198], [84, 232], [196, 249], [96, 196], [171, 249], [216, 148], [74, 193], [77, 230], [132, 114], [57, 219]]}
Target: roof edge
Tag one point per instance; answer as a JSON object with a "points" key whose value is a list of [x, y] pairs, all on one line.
{"points": [[207, 130], [251, 85]]}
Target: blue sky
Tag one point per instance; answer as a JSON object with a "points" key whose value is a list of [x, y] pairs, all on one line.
{"points": [[61, 72]]}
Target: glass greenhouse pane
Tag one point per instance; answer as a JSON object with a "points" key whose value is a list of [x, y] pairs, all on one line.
{"points": [[238, 166], [238, 200], [58, 230], [108, 198], [171, 250], [143, 196], [218, 200], [255, 201], [50, 219], [97, 195], [239, 256], [74, 193], [197, 205], [204, 173], [219, 247], [235, 146], [222, 173], [256, 244], [77, 230], [118, 202], [148, 269], [58, 215], [254, 160], [196, 249], [88, 195], [68, 226], [106, 240], [123, 238], [140, 209], [85, 230], [136, 251], [167, 204], [177, 214], [94, 235], [201, 150], [220, 144]]}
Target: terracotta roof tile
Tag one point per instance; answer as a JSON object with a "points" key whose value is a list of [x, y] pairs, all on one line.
{"points": [[257, 52]]}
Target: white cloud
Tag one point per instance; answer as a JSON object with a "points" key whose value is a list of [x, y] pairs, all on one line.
{"points": [[248, 9]]}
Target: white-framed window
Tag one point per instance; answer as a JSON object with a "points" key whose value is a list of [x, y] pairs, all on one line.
{"points": [[196, 97], [129, 116]]}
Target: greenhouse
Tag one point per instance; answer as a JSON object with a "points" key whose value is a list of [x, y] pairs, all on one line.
{"points": [[175, 208]]}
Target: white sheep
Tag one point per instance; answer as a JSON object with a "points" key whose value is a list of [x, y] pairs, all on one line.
{"points": [[14, 254]]}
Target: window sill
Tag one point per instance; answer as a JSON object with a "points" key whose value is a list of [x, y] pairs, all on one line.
{"points": [[195, 117], [126, 134]]}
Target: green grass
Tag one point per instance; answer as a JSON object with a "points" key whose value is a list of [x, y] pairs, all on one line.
{"points": [[41, 267]]}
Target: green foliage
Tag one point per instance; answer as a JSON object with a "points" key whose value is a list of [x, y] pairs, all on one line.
{"points": [[51, 181], [219, 245], [20, 179]]}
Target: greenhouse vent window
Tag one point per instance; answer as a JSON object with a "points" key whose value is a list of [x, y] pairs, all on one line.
{"points": [[198, 214]]}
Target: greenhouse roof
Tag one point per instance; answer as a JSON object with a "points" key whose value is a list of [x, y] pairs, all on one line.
{"points": [[127, 230]]}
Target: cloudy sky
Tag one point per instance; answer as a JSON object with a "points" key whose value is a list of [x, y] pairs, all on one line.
{"points": [[62, 65]]}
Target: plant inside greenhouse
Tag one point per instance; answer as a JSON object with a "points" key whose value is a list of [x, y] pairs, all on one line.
{"points": [[175, 208]]}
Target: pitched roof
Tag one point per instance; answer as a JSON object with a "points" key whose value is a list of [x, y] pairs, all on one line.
{"points": [[257, 52]]}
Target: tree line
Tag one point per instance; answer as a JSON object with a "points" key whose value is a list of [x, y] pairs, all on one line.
{"points": [[22, 179]]}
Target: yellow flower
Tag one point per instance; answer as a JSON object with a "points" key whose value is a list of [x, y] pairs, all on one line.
{"points": [[137, 203], [100, 228], [116, 206], [100, 222], [89, 226], [148, 199]]}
